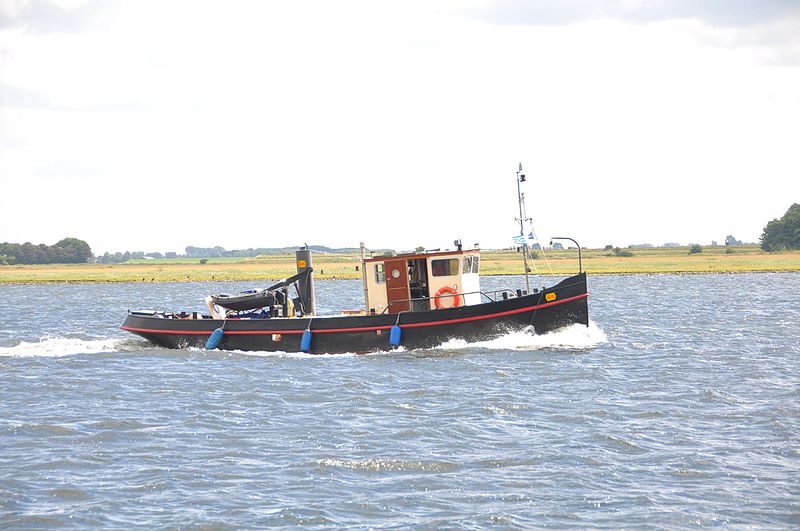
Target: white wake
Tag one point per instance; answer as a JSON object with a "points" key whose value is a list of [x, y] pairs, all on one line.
{"points": [[574, 337], [54, 347]]}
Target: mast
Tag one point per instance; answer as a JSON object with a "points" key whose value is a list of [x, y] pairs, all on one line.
{"points": [[522, 219], [364, 275]]}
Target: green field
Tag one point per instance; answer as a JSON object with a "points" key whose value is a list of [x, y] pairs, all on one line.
{"points": [[595, 261]]}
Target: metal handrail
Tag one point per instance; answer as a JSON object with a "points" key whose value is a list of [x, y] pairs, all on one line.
{"points": [[580, 259], [483, 293]]}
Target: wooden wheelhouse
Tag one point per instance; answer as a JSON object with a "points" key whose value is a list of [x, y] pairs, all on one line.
{"points": [[421, 281]]}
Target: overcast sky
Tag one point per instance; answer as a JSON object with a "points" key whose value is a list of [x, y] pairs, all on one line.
{"points": [[153, 125]]}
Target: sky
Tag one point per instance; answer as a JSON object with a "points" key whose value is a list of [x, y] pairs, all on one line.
{"points": [[154, 125]]}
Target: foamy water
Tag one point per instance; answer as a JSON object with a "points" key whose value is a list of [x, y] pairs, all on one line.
{"points": [[570, 338], [65, 346], [575, 337]]}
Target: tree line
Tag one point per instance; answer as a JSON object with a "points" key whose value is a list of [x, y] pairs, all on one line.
{"points": [[212, 252], [221, 252], [779, 234], [119, 258], [66, 251], [783, 233]]}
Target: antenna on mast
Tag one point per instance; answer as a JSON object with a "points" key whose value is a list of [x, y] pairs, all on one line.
{"points": [[522, 219]]}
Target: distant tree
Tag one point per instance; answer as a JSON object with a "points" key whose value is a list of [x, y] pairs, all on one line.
{"points": [[419, 249], [116, 258], [609, 247], [58, 255], [75, 251], [783, 233], [205, 252], [27, 254], [45, 254], [622, 252], [68, 250], [695, 248], [730, 240]]}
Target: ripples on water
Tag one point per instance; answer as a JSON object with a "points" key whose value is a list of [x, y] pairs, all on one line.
{"points": [[678, 407]]}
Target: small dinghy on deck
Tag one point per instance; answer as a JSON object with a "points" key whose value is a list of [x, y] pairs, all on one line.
{"points": [[246, 300], [266, 298], [414, 300]]}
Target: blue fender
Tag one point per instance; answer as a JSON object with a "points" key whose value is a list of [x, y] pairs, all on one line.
{"points": [[395, 334], [214, 339], [305, 341]]}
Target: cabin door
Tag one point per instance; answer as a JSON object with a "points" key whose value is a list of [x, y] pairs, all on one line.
{"points": [[397, 292]]}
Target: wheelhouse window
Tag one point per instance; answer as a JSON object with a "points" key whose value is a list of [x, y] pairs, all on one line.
{"points": [[444, 268], [471, 264], [380, 274]]}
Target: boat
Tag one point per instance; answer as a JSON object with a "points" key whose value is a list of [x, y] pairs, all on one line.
{"points": [[412, 300]]}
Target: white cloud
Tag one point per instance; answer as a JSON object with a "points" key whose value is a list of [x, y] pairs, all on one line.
{"points": [[710, 12], [52, 16], [251, 124]]}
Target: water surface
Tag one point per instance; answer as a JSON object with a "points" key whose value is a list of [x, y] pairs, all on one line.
{"points": [[679, 406]]}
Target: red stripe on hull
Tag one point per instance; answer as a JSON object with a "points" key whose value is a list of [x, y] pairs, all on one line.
{"points": [[365, 328]]}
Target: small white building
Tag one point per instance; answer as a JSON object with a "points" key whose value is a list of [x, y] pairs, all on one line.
{"points": [[421, 281]]}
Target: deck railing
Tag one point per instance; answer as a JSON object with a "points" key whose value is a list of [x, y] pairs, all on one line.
{"points": [[490, 296]]}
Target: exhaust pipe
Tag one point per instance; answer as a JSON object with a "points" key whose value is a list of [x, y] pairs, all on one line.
{"points": [[306, 288]]}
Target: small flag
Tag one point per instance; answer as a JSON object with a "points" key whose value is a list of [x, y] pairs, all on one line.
{"points": [[519, 239], [532, 237]]}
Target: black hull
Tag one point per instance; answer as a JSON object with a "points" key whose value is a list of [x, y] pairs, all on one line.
{"points": [[553, 308]]}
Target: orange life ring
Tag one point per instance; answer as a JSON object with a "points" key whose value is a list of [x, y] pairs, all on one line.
{"points": [[451, 291]]}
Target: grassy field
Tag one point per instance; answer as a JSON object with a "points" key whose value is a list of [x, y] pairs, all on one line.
{"points": [[653, 260], [595, 261]]}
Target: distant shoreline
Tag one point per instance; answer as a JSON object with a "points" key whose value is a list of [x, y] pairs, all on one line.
{"points": [[719, 259], [57, 282]]}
